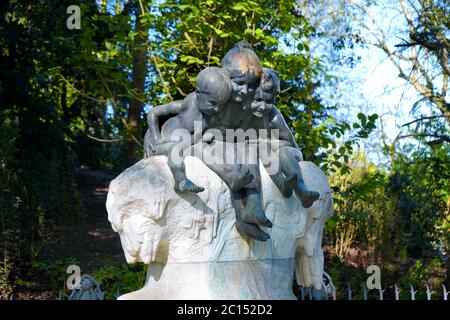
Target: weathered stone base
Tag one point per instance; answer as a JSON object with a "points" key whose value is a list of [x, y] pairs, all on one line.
{"points": [[190, 242], [242, 280]]}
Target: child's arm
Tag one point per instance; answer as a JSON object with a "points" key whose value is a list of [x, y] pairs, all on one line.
{"points": [[276, 121], [172, 108]]}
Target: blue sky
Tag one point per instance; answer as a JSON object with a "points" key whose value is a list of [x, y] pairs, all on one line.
{"points": [[373, 85]]}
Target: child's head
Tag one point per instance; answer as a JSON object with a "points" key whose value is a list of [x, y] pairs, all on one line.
{"points": [[270, 82], [213, 88], [266, 93], [244, 68]]}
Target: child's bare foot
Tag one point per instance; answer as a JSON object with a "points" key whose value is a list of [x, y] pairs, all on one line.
{"points": [[253, 213], [188, 186], [251, 230], [288, 185], [308, 197], [262, 220]]}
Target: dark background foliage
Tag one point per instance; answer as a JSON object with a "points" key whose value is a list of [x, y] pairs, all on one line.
{"points": [[72, 115]]}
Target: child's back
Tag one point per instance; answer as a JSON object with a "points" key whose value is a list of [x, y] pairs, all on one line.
{"points": [[185, 120]]}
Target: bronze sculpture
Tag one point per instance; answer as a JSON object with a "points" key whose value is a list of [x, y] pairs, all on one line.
{"points": [[240, 95]]}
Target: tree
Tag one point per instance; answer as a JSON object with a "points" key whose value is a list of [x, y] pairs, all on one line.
{"points": [[420, 56], [139, 74]]}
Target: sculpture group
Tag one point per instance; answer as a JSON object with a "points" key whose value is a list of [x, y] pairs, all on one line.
{"points": [[240, 95], [222, 206]]}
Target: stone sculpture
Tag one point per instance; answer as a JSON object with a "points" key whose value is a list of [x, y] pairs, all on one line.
{"points": [[216, 216], [89, 289]]}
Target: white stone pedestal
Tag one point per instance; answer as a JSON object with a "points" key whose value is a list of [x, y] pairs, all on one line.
{"points": [[191, 246]]}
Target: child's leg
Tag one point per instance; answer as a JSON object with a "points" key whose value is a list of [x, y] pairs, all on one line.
{"points": [[147, 150], [252, 211], [280, 181], [234, 176], [241, 179], [284, 183], [249, 229], [290, 167], [182, 183], [176, 165], [238, 179]]}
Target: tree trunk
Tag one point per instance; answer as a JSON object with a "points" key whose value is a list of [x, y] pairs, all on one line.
{"points": [[138, 85]]}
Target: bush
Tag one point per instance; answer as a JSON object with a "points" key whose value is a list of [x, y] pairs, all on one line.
{"points": [[121, 280]]}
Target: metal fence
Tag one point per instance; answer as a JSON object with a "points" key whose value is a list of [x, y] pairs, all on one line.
{"points": [[89, 289], [329, 293]]}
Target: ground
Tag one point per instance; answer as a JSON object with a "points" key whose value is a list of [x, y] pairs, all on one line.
{"points": [[92, 242]]}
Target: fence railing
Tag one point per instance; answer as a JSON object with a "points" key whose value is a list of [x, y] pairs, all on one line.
{"points": [[329, 292], [89, 289]]}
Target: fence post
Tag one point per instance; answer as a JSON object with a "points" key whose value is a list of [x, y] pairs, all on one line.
{"points": [[413, 293], [397, 292], [364, 291], [445, 292], [381, 291], [349, 290], [324, 288], [429, 293]]}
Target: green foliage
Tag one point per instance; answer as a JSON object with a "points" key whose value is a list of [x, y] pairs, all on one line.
{"points": [[416, 273], [53, 273], [397, 218], [355, 196], [343, 276], [66, 98], [5, 284], [421, 182], [121, 280], [37, 187], [422, 272]]}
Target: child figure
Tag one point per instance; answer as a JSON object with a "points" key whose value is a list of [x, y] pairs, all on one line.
{"points": [[213, 89], [289, 178]]}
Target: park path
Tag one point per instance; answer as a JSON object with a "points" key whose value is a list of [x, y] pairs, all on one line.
{"points": [[94, 243]]}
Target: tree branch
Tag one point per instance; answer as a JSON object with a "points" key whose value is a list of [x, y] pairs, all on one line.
{"points": [[210, 45], [423, 135], [440, 139], [166, 88], [104, 140], [432, 45], [420, 119], [270, 20], [407, 16]]}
